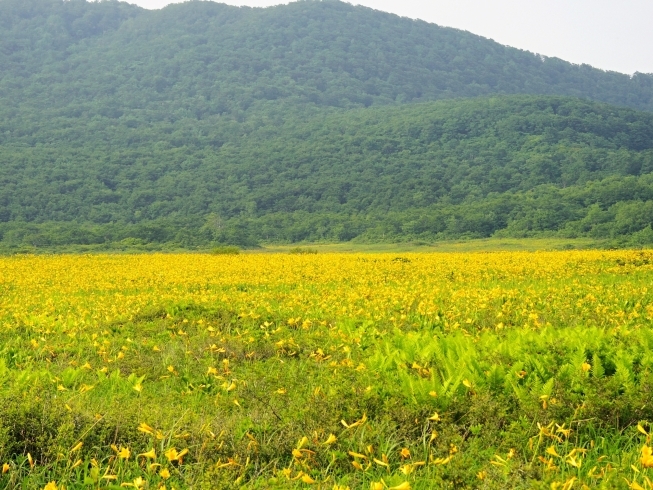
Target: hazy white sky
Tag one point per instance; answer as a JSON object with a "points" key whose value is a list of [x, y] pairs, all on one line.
{"points": [[609, 34]]}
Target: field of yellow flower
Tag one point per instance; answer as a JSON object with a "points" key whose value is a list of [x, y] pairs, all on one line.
{"points": [[332, 371]]}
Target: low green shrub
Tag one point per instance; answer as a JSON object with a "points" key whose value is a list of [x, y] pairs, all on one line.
{"points": [[302, 251], [226, 250]]}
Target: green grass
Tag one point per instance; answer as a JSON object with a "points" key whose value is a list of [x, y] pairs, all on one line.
{"points": [[472, 245], [485, 409]]}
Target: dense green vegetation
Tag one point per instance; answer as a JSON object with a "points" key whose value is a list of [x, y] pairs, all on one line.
{"points": [[204, 123], [77, 60], [518, 165]]}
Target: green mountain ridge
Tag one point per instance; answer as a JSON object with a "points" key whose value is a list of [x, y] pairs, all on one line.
{"points": [[79, 59]]}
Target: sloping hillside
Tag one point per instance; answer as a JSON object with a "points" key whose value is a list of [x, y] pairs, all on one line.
{"points": [[460, 168], [82, 60]]}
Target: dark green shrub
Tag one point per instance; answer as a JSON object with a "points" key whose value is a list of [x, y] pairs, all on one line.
{"points": [[226, 250], [302, 251]]}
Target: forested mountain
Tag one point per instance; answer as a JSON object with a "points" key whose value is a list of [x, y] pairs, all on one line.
{"points": [[203, 123], [77, 59], [528, 164]]}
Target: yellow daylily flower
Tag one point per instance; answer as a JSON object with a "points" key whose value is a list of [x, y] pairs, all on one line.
{"points": [[173, 455], [307, 479], [440, 461], [403, 486], [151, 454], [330, 440], [302, 442], [143, 427], [381, 463], [356, 455], [647, 457], [552, 451], [355, 424], [137, 483]]}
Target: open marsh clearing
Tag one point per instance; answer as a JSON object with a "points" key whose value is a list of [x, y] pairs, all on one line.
{"points": [[447, 370]]}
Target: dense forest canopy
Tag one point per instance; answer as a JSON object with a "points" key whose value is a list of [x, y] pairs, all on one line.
{"points": [[197, 59], [461, 168], [317, 120]]}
